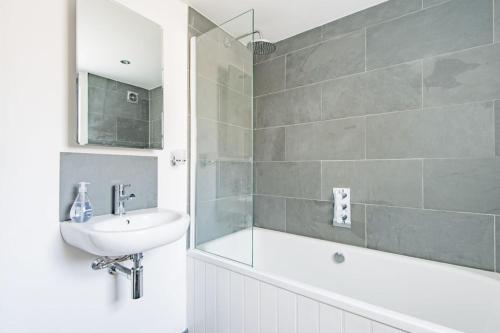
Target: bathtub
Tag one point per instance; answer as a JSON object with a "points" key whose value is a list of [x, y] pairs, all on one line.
{"points": [[296, 286]]}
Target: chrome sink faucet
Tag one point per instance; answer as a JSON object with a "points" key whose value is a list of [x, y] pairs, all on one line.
{"points": [[120, 197]]}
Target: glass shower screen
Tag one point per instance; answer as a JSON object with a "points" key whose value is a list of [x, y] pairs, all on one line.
{"points": [[222, 139]]}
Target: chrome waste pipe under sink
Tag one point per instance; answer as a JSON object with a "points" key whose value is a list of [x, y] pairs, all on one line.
{"points": [[135, 274]]}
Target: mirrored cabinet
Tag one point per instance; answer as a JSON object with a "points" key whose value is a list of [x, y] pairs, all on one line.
{"points": [[119, 71]]}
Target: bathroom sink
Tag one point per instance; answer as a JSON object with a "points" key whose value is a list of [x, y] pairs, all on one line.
{"points": [[135, 232]]}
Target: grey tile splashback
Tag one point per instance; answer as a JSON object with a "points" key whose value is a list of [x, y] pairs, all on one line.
{"points": [[102, 172], [413, 130]]}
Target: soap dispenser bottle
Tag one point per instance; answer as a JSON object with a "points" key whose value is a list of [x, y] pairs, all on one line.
{"points": [[81, 211]]}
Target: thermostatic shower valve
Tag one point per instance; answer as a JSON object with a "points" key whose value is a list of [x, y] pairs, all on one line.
{"points": [[342, 207]]}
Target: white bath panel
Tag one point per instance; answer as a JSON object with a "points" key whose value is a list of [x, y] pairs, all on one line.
{"points": [[330, 319], [199, 296], [190, 294], [356, 324], [287, 311], [222, 301], [268, 308], [307, 315], [210, 298], [236, 303], [252, 320]]}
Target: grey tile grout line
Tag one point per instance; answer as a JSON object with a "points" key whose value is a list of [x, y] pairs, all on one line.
{"points": [[366, 228], [422, 84], [376, 205], [340, 77], [384, 67], [381, 159], [366, 44], [495, 243], [426, 109], [494, 17], [225, 123], [422, 174]]}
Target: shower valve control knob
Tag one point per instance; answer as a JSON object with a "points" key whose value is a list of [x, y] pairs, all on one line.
{"points": [[342, 207]]}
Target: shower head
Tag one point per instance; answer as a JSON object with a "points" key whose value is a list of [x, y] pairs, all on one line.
{"points": [[261, 47]]}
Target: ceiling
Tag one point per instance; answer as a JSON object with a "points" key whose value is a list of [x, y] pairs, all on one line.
{"points": [[107, 33], [280, 19]]}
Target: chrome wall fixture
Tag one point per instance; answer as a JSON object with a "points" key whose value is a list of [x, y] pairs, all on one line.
{"points": [[134, 274], [342, 207]]}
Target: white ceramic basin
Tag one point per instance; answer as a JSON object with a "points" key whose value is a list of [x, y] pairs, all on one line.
{"points": [[135, 232]]}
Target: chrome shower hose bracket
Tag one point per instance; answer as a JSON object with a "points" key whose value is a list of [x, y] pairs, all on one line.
{"points": [[135, 273]]}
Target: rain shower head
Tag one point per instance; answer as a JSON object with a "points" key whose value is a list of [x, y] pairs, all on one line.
{"points": [[260, 46]]}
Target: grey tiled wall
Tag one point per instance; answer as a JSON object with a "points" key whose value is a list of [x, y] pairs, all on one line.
{"points": [[401, 103], [102, 172], [114, 121]]}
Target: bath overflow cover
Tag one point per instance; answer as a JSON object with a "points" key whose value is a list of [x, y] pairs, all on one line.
{"points": [[338, 257]]}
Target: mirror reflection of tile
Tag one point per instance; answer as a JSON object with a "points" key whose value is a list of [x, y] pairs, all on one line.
{"points": [[116, 119]]}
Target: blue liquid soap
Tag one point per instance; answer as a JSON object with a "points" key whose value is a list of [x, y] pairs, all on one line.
{"points": [[81, 210]]}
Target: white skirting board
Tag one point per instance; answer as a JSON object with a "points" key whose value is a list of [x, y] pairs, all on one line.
{"points": [[223, 301]]}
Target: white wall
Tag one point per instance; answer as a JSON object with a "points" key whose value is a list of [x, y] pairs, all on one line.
{"points": [[45, 285]]}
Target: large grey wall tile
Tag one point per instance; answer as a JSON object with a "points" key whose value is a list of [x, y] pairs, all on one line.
{"points": [[468, 76], [330, 140], [456, 25], [391, 89], [155, 103], [221, 217], [269, 212], [102, 172], [497, 20], [497, 127], [96, 98], [394, 183], [313, 218], [207, 98], [234, 142], [206, 180], [207, 143], [463, 185], [234, 178], [456, 131], [373, 15], [269, 76], [293, 43], [429, 3], [101, 128], [327, 60], [300, 180], [290, 107], [235, 108], [462, 239], [132, 131], [269, 144]]}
